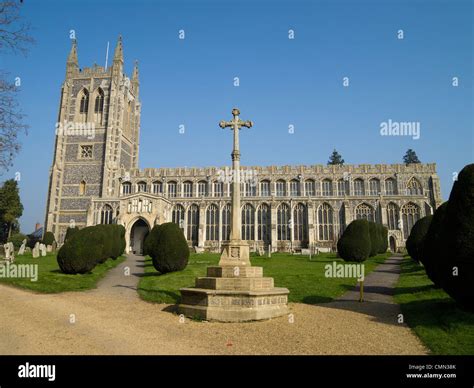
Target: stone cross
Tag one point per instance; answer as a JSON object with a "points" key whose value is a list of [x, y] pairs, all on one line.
{"points": [[235, 124]]}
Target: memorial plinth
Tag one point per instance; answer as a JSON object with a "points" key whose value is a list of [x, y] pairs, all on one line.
{"points": [[234, 291]]}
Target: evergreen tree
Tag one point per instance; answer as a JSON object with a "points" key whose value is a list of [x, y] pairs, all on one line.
{"points": [[335, 159], [410, 157], [10, 206]]}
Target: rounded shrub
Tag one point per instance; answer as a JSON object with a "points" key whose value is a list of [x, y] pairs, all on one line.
{"points": [[104, 234], [70, 232], [374, 239], [354, 244], [167, 247], [415, 241], [17, 239], [48, 238], [384, 240], [456, 270]]}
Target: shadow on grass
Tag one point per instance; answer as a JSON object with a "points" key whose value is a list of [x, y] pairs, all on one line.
{"points": [[413, 290]]}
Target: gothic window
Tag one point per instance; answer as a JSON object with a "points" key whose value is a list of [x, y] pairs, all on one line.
{"points": [[359, 187], [414, 187], [145, 205], [212, 223], [283, 222], [177, 216], [226, 213], [295, 188], [326, 222], [218, 189], [250, 189], [374, 186], [390, 186], [280, 188], [326, 187], [265, 188], [157, 187], [248, 222], [141, 187], [106, 214], [202, 188], [300, 223], [365, 212], [392, 216], [172, 189], [264, 223], [342, 187], [99, 106], [82, 188], [310, 187], [83, 104], [193, 224], [187, 189], [410, 214], [126, 188], [86, 151]]}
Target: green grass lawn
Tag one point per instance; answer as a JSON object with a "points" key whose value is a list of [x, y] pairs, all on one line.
{"points": [[305, 279], [52, 280], [434, 316]]}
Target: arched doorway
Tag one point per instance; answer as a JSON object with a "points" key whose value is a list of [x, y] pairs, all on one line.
{"points": [[393, 244], [138, 233]]}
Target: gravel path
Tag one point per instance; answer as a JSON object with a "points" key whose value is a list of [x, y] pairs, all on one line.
{"points": [[113, 320]]}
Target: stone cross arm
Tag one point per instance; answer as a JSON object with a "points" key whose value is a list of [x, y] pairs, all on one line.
{"points": [[239, 123]]}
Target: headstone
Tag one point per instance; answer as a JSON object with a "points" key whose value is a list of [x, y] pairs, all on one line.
{"points": [[49, 248], [21, 251], [42, 248], [305, 252], [36, 250], [199, 249], [270, 250], [28, 249], [9, 252], [261, 251]]}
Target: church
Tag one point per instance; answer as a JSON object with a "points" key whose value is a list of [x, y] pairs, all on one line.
{"points": [[95, 179]]}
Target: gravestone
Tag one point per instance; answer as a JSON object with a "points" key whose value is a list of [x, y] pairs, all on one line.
{"points": [[49, 248], [9, 252], [21, 251], [36, 250], [42, 248]]}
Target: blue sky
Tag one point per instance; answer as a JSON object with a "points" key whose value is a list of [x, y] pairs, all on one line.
{"points": [[282, 82]]}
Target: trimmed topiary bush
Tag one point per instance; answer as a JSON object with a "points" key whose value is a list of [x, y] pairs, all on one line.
{"points": [[374, 239], [167, 247], [456, 267], [384, 241], [415, 241], [48, 238], [17, 239], [70, 232], [354, 244]]}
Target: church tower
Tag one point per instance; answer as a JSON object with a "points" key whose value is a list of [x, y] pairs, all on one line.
{"points": [[97, 135]]}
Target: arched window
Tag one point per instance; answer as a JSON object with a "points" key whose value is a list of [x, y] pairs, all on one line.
{"points": [[193, 224], [187, 189], [414, 187], [359, 188], [374, 186], [126, 188], [283, 222], [106, 214], [158, 187], [365, 212], [300, 223], [212, 223], [82, 188], [83, 104], [141, 187], [202, 188], [280, 188], [218, 189], [177, 216], [342, 187], [295, 188], [265, 188], [248, 222], [326, 186], [172, 189], [390, 186], [410, 214], [310, 187], [326, 222], [226, 214], [250, 189], [99, 106], [392, 216], [264, 223]]}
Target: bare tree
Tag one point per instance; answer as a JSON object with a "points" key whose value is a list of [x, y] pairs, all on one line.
{"points": [[14, 38]]}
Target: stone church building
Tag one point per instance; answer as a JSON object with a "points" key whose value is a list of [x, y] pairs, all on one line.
{"points": [[95, 179]]}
